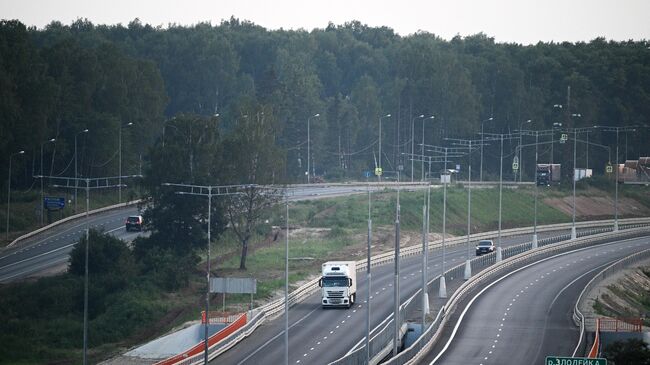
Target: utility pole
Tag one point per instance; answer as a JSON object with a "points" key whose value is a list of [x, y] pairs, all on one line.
{"points": [[91, 183], [208, 191], [470, 144], [500, 137]]}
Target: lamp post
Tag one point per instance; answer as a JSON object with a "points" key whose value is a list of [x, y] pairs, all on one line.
{"points": [[380, 118], [431, 117], [481, 169], [616, 130], [368, 276], [120, 162], [521, 161], [9, 188], [469, 144], [500, 137], [442, 286], [208, 191], [308, 144], [413, 141], [52, 140], [75, 167], [72, 183]]}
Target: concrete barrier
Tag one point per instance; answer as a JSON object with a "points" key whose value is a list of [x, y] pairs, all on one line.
{"points": [[71, 218]]}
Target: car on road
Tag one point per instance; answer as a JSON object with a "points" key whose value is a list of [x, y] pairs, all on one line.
{"points": [[134, 222], [484, 246]]}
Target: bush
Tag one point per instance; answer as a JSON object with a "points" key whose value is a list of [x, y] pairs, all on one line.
{"points": [[166, 269]]}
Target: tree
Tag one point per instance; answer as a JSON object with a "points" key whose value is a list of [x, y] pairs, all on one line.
{"points": [[253, 159], [191, 154], [633, 351]]}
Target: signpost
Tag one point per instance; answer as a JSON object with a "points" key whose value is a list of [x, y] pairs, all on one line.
{"points": [[515, 163], [556, 360], [53, 203], [378, 171]]}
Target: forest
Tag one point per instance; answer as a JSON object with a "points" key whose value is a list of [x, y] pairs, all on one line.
{"points": [[58, 81]]}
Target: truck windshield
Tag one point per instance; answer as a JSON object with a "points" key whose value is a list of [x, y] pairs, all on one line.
{"points": [[335, 282]]}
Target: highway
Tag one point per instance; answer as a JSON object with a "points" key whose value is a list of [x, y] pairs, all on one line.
{"points": [[320, 336], [527, 315], [51, 249]]}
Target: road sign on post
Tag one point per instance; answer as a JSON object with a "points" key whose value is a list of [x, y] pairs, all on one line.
{"points": [[564, 137], [515, 163], [378, 171], [556, 360], [53, 203], [609, 168]]}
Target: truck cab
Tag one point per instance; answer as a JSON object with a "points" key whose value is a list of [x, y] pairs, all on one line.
{"points": [[338, 284]]}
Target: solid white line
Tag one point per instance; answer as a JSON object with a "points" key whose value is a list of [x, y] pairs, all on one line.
{"points": [[34, 269], [462, 315], [276, 336], [37, 256]]}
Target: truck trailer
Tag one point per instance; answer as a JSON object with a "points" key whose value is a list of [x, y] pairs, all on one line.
{"points": [[547, 174], [338, 284]]}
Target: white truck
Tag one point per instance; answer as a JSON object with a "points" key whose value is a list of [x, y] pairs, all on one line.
{"points": [[339, 283]]}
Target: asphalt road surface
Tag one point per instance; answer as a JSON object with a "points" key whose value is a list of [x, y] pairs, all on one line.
{"points": [[52, 248], [320, 336], [527, 315]]}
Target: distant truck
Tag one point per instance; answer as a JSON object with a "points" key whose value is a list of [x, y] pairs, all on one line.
{"points": [[339, 284], [548, 174]]}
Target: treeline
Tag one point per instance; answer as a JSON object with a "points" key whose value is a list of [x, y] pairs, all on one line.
{"points": [[59, 80]]}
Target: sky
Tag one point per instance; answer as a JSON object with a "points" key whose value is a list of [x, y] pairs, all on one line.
{"points": [[508, 21]]}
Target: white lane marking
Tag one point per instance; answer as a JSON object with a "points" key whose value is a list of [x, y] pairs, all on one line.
{"points": [[39, 255], [35, 269], [276, 336], [469, 305]]}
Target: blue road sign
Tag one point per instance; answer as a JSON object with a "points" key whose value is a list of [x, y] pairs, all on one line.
{"points": [[53, 203], [367, 174]]}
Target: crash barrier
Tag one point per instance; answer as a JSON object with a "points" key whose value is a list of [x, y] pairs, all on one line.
{"points": [[359, 356], [579, 318], [276, 307], [196, 353], [71, 218], [595, 348], [434, 333], [220, 317]]}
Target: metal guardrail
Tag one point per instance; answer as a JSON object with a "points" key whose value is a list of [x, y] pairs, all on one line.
{"points": [[578, 317], [71, 218], [276, 307], [358, 357], [506, 264]]}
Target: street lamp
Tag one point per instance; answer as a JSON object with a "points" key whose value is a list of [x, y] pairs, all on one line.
{"points": [[481, 172], [52, 140], [413, 141], [76, 182], [120, 164], [521, 161], [380, 118], [208, 191], [617, 130], [500, 137], [431, 117], [308, 142], [9, 188]]}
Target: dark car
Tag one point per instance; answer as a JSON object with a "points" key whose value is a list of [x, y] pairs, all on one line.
{"points": [[134, 222], [484, 246]]}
